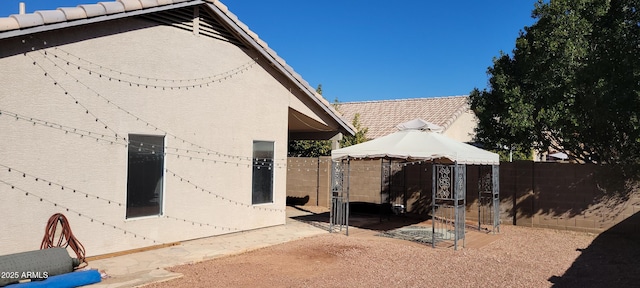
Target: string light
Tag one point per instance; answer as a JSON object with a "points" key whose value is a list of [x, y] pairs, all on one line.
{"points": [[192, 151], [88, 133], [257, 163], [198, 82], [62, 187], [106, 138], [87, 195], [66, 92], [67, 129], [202, 189], [75, 212], [124, 110], [267, 163], [301, 164], [155, 127], [194, 223]]}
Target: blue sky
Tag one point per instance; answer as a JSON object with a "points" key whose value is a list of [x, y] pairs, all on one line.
{"points": [[373, 49]]}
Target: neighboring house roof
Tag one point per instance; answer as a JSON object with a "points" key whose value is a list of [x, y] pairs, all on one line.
{"points": [[40, 21], [381, 117]]}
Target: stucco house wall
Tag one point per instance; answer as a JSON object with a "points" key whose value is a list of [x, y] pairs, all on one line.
{"points": [[69, 99], [462, 128]]}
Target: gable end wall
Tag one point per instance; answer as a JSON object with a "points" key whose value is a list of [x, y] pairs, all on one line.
{"points": [[205, 193]]}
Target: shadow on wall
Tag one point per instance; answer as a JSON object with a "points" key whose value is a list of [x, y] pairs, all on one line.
{"points": [[297, 201], [612, 259], [411, 187], [585, 197], [419, 188], [564, 190]]}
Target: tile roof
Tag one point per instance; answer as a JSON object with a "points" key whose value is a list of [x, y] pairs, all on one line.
{"points": [[20, 24], [64, 14], [381, 117]]}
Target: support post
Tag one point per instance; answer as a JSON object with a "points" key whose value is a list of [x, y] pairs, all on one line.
{"points": [[347, 202]]}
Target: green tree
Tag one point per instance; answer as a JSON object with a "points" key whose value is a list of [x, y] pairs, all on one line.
{"points": [[571, 84], [361, 133], [309, 148]]}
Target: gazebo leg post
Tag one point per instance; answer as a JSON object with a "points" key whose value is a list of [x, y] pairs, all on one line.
{"points": [[347, 202]]}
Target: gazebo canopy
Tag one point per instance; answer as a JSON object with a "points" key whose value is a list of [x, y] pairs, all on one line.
{"points": [[417, 144], [416, 141]]}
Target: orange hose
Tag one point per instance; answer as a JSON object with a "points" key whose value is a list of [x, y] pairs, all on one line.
{"points": [[66, 239]]}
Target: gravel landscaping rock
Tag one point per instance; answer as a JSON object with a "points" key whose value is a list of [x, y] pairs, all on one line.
{"points": [[520, 257]]}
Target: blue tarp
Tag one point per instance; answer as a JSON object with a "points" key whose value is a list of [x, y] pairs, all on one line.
{"points": [[68, 280]]}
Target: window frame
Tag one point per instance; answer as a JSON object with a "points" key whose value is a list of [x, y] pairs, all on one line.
{"points": [[256, 165], [130, 213]]}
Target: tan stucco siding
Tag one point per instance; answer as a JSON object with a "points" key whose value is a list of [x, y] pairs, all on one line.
{"points": [[462, 129], [223, 117]]}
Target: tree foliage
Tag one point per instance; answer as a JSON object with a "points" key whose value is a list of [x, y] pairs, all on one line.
{"points": [[361, 133], [511, 155], [309, 148], [572, 84]]}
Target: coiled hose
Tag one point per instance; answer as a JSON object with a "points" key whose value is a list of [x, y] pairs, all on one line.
{"points": [[66, 239]]}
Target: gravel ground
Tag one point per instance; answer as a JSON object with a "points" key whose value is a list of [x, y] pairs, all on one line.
{"points": [[521, 257]]}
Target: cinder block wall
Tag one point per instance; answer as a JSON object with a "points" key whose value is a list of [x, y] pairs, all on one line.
{"points": [[582, 197], [364, 181], [303, 180], [324, 181], [565, 196], [309, 181]]}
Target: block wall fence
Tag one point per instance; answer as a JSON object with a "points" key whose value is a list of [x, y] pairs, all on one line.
{"points": [[567, 196]]}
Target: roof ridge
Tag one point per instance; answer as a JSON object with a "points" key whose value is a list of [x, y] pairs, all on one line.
{"points": [[456, 115], [404, 99]]}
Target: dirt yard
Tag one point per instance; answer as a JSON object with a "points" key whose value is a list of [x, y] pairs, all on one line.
{"points": [[519, 257]]}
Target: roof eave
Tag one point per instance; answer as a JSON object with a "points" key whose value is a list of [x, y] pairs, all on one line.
{"points": [[280, 67], [79, 22]]}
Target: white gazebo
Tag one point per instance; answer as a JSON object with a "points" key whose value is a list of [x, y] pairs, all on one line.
{"points": [[417, 140]]}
